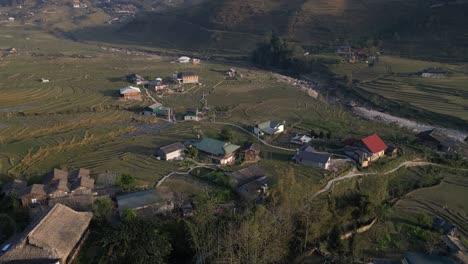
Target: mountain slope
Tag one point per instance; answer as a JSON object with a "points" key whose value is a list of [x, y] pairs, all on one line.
{"points": [[404, 25]]}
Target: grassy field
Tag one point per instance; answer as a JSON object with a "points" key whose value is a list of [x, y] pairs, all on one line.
{"points": [[389, 78]]}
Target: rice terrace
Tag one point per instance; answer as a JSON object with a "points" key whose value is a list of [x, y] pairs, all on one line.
{"points": [[261, 132]]}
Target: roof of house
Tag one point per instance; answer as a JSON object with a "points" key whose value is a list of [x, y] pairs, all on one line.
{"points": [[172, 147], [254, 146], [419, 258], [79, 173], [216, 147], [192, 112], [130, 89], [252, 187], [435, 70], [246, 175], [86, 182], [374, 143], [56, 175], [138, 199], [60, 185], [309, 153], [38, 189], [15, 186], [155, 106], [438, 136], [76, 202], [53, 237], [186, 74], [269, 124]]}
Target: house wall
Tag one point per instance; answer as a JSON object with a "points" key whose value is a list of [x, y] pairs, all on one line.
{"points": [[82, 190], [173, 155], [191, 118], [27, 199], [190, 79], [57, 194], [130, 96], [280, 129], [314, 164], [377, 155]]}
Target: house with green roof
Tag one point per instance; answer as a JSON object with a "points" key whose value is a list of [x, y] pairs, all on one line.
{"points": [[218, 151], [269, 128]]}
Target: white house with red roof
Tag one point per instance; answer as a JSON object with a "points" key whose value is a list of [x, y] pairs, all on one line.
{"points": [[375, 145]]}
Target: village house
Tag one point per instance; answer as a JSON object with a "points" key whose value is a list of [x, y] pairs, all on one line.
{"points": [[456, 248], [58, 189], [151, 200], [250, 183], [157, 85], [158, 110], [269, 128], [55, 238], [308, 156], [344, 50], [186, 209], [43, 80], [437, 140], [175, 151], [82, 186], [130, 93], [136, 79], [435, 73], [375, 145], [183, 59], [252, 153], [11, 19], [35, 194], [196, 61], [217, 151], [187, 77], [300, 139], [193, 115], [57, 184]]}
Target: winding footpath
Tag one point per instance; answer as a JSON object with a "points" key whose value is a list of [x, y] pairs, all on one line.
{"points": [[354, 173]]}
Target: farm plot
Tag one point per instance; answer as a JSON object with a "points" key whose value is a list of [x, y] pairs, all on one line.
{"points": [[447, 200]]}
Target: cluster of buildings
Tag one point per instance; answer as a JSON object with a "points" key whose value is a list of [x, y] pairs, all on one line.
{"points": [[58, 186], [347, 53]]}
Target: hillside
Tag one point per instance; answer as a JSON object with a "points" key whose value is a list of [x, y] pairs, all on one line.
{"points": [[413, 28]]}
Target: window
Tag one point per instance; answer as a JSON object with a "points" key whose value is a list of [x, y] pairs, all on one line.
{"points": [[34, 201]]}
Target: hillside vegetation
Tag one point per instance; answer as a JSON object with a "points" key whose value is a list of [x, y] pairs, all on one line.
{"points": [[413, 28]]}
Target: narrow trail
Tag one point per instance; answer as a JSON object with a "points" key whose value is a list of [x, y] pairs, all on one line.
{"points": [[354, 173], [150, 96], [200, 165]]}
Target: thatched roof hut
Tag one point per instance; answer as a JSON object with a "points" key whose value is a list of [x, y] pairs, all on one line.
{"points": [[51, 239]]}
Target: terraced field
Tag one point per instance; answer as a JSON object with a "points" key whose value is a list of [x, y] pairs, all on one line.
{"points": [[392, 79]]}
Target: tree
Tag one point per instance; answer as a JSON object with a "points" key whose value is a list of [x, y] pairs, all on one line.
{"points": [[192, 152], [129, 214], [313, 134], [424, 220], [102, 208], [126, 182], [138, 241], [321, 135], [335, 245], [329, 134], [227, 134]]}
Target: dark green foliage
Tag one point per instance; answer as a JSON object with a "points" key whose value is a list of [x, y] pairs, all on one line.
{"points": [[192, 152], [321, 135], [227, 135], [278, 54], [102, 208], [334, 243], [126, 182], [136, 241], [13, 218]]}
